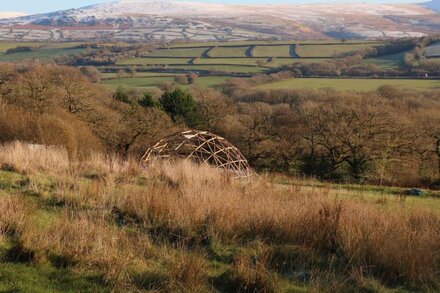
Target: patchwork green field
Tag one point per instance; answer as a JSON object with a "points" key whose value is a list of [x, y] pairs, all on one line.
{"points": [[151, 82], [259, 57], [286, 61], [136, 82], [391, 61], [219, 68], [433, 51], [4, 46], [232, 58], [109, 75], [182, 52], [232, 61], [229, 52], [260, 54], [40, 54], [42, 51], [351, 84], [274, 51], [281, 43], [328, 51], [154, 61], [247, 57], [221, 62]]}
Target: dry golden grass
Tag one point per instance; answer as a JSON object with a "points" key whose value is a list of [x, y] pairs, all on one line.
{"points": [[89, 240], [34, 158], [156, 228], [13, 216]]}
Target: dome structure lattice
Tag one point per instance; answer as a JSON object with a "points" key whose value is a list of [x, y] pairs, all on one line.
{"points": [[201, 147]]}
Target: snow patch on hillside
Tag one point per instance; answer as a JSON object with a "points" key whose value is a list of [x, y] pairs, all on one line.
{"points": [[126, 8], [185, 9], [145, 20], [10, 14]]}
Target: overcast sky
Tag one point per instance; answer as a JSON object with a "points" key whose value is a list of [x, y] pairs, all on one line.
{"points": [[39, 6]]}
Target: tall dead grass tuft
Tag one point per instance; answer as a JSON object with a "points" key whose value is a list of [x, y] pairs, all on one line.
{"points": [[186, 272], [251, 274], [395, 245], [27, 158], [14, 220], [14, 216], [181, 205], [88, 240]]}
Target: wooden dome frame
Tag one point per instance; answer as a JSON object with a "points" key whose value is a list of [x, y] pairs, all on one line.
{"points": [[201, 147]]}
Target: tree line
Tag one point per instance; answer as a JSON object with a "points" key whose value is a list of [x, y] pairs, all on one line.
{"points": [[388, 136]]}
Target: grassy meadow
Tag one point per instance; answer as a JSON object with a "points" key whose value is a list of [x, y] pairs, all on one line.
{"points": [[44, 51], [328, 51], [106, 225], [113, 75], [391, 61], [154, 61], [351, 84], [228, 51], [273, 51], [4, 46], [142, 83], [182, 52], [225, 68]]}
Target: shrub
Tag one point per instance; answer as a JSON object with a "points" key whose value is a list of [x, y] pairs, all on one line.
{"points": [[181, 106], [181, 79], [148, 101]]}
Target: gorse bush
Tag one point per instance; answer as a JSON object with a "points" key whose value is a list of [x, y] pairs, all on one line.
{"points": [[183, 227]]}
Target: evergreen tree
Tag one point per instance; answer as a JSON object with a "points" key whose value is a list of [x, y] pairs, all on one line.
{"points": [[181, 106]]}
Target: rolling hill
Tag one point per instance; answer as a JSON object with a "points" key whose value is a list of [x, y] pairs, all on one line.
{"points": [[144, 20], [10, 14]]}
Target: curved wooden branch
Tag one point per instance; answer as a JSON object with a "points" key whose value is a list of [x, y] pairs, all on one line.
{"points": [[201, 147]]}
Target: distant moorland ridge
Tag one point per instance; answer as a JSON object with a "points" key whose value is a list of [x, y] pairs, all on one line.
{"points": [[167, 20]]}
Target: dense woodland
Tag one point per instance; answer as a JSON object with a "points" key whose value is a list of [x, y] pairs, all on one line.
{"points": [[388, 136]]}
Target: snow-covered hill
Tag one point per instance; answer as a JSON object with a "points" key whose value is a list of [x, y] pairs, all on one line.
{"points": [[168, 20], [138, 8], [10, 14]]}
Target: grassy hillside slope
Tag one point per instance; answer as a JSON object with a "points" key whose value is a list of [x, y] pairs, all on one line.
{"points": [[105, 225]]}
